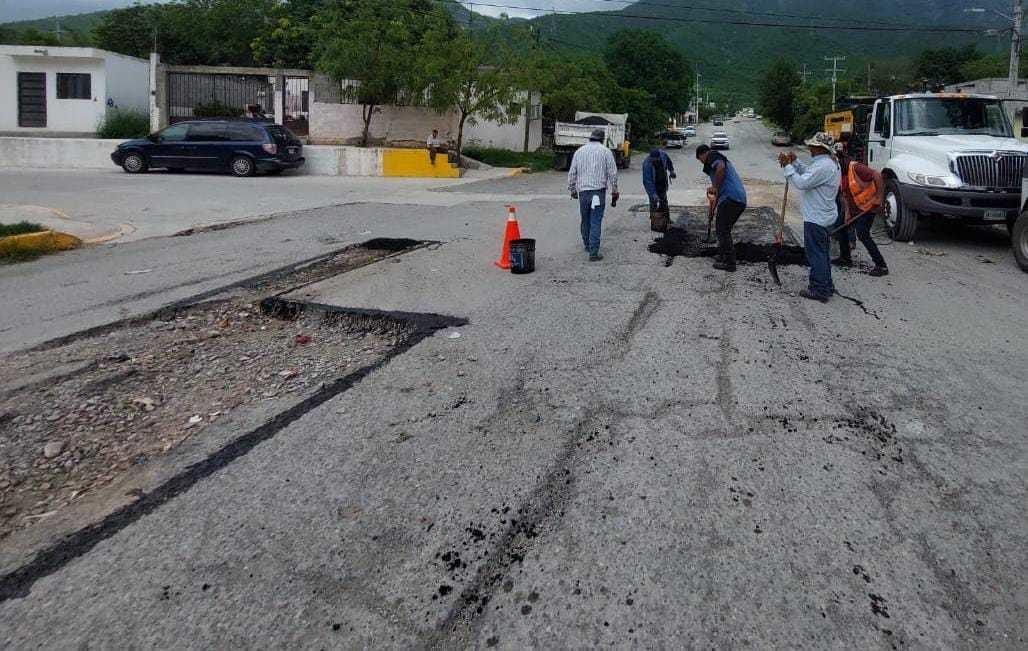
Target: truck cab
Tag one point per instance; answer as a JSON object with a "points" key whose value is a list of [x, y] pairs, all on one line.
{"points": [[946, 154]]}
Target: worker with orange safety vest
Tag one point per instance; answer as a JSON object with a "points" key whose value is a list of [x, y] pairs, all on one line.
{"points": [[862, 191]]}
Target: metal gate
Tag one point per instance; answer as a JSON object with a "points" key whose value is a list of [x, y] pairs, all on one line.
{"points": [[297, 105], [193, 94], [31, 99]]}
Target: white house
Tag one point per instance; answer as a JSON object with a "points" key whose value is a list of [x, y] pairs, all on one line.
{"points": [[66, 91]]}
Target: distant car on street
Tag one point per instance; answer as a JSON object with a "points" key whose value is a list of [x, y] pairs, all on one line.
{"points": [[719, 140], [242, 147], [718, 121], [781, 139], [672, 140], [689, 131]]}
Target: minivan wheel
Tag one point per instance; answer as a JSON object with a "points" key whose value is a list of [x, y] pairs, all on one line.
{"points": [[1019, 240], [900, 221], [243, 166], [134, 163]]}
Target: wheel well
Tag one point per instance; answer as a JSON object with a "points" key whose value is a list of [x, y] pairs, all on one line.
{"points": [[889, 174]]}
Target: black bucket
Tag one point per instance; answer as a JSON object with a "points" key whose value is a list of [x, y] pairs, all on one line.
{"points": [[522, 256]]}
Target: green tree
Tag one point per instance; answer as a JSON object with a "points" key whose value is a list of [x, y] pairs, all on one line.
{"points": [[288, 40], [778, 92], [376, 45], [570, 83], [942, 66], [645, 60], [128, 31], [474, 73]]}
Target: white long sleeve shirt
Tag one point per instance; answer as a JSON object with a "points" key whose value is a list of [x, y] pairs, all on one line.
{"points": [[593, 168], [818, 183]]}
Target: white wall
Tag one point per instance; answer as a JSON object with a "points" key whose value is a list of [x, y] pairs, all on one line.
{"points": [[504, 136], [128, 82], [64, 115], [342, 124]]}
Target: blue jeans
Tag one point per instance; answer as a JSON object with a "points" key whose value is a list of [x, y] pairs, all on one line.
{"points": [[818, 246], [592, 218]]}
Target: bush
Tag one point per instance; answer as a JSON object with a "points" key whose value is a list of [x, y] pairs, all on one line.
{"points": [[20, 228], [216, 109], [537, 161], [124, 124]]}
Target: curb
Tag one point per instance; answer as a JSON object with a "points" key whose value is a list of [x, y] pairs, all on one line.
{"points": [[41, 242]]}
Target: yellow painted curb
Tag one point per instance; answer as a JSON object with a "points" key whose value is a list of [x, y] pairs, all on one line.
{"points": [[41, 242], [416, 163]]}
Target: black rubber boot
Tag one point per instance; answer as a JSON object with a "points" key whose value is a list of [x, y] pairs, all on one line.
{"points": [[878, 272], [721, 265]]}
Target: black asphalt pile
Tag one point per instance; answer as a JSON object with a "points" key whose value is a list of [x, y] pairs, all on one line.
{"points": [[77, 415], [753, 234]]}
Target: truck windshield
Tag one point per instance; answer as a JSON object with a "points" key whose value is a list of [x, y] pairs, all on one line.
{"points": [[951, 116]]}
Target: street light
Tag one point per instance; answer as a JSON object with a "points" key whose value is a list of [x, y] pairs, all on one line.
{"points": [[1015, 41]]}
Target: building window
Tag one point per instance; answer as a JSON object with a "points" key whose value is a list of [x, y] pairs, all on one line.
{"points": [[74, 85]]}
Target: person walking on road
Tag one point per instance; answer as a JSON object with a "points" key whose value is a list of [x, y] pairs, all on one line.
{"points": [[863, 194], [728, 195], [656, 170], [818, 183], [593, 171]]}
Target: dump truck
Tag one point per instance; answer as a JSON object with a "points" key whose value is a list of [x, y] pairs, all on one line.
{"points": [[569, 136], [849, 124]]}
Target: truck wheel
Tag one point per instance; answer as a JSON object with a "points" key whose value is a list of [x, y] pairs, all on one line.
{"points": [[1019, 240], [900, 221]]}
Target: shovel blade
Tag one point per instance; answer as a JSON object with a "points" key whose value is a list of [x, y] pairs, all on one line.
{"points": [[772, 266]]}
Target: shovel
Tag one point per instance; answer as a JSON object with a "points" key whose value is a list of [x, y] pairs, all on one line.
{"points": [[772, 261], [710, 221]]}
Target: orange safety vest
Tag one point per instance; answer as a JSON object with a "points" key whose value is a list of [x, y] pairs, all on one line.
{"points": [[865, 195]]}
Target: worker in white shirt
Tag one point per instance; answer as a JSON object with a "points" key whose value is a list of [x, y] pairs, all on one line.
{"points": [[435, 145], [593, 170]]}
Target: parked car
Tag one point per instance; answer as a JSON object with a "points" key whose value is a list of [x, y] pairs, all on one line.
{"points": [[781, 139], [242, 147], [690, 131], [719, 140], [672, 140]]}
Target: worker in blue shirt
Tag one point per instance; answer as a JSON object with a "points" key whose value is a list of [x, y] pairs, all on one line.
{"points": [[656, 170], [818, 183], [729, 197]]}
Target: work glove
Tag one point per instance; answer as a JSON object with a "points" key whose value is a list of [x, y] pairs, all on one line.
{"points": [[574, 194], [673, 175], [614, 199]]}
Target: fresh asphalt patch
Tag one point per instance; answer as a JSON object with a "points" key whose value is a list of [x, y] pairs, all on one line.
{"points": [[97, 439]]}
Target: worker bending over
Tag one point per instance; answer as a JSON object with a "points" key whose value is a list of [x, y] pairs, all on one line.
{"points": [[729, 197]]}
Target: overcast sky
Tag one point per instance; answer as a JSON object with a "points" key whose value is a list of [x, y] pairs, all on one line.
{"points": [[537, 7]]}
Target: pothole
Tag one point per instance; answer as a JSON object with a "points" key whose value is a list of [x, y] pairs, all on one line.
{"points": [[78, 415], [753, 235]]}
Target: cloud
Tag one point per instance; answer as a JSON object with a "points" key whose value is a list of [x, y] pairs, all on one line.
{"points": [[539, 7]]}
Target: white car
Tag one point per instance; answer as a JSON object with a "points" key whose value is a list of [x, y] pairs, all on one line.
{"points": [[690, 131], [719, 140], [672, 140]]}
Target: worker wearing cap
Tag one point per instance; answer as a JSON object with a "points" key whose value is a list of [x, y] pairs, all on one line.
{"points": [[863, 195], [818, 183], [593, 170], [728, 196]]}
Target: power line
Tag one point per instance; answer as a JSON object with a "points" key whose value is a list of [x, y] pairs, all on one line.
{"points": [[743, 23]]}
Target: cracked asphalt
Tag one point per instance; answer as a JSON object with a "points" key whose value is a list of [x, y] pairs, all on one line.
{"points": [[616, 454]]}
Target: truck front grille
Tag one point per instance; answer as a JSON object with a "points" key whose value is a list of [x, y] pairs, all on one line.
{"points": [[987, 171]]}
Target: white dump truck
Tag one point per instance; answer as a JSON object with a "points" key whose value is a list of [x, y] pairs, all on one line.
{"points": [[569, 136], [1019, 234], [950, 155]]}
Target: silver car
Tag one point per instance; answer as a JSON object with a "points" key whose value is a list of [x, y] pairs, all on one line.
{"points": [[719, 140]]}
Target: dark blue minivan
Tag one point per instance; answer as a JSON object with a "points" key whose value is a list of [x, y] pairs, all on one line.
{"points": [[243, 147]]}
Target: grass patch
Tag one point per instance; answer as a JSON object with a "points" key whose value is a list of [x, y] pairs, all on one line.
{"points": [[20, 228], [537, 161], [123, 124]]}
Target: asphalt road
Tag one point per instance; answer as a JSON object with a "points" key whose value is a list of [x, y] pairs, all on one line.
{"points": [[617, 454]]}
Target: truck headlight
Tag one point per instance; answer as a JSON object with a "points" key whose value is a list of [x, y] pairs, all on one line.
{"points": [[931, 181]]}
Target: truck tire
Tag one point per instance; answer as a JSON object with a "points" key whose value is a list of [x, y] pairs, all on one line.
{"points": [[1019, 240], [900, 221]]}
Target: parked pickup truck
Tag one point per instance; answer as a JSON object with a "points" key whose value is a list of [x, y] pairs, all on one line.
{"points": [[946, 154], [569, 136]]}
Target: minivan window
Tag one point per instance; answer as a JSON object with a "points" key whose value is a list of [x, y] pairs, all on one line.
{"points": [[244, 133], [175, 133], [207, 132]]}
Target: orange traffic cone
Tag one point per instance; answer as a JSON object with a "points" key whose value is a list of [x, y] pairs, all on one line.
{"points": [[512, 233]]}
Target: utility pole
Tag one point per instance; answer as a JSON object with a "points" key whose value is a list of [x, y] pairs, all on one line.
{"points": [[868, 77], [698, 75], [1015, 48], [835, 75], [806, 73]]}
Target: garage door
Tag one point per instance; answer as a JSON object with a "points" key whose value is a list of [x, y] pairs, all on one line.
{"points": [[31, 99]]}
